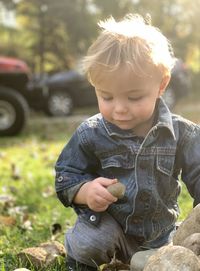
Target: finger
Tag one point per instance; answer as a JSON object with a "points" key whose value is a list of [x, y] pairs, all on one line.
{"points": [[106, 195], [106, 182], [101, 201], [98, 206], [102, 192]]}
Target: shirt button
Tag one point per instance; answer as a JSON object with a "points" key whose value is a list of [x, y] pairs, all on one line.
{"points": [[93, 218], [149, 181], [60, 179]]}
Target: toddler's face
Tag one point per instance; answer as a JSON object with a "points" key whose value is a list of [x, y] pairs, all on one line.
{"points": [[127, 100]]}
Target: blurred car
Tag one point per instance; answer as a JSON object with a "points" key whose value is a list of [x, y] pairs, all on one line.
{"points": [[179, 85], [14, 75], [64, 91]]}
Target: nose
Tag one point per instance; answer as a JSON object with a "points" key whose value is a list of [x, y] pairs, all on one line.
{"points": [[120, 107]]}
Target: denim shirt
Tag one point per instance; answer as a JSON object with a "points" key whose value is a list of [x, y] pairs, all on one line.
{"points": [[149, 170]]}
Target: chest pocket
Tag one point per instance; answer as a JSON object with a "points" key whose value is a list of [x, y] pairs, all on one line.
{"points": [[117, 159], [165, 160]]}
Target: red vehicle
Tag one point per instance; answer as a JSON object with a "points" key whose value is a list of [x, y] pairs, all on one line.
{"points": [[14, 76]]}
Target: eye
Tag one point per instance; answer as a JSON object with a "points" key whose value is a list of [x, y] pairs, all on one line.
{"points": [[134, 98], [107, 98]]}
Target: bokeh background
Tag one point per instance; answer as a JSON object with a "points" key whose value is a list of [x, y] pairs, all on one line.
{"points": [[52, 36]]}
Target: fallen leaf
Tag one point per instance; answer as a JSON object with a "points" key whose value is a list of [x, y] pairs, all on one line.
{"points": [[49, 191], [7, 220], [27, 225], [6, 201], [15, 172]]}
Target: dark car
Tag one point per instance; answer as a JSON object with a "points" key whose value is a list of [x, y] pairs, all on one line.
{"points": [[69, 89], [65, 91], [179, 85]]}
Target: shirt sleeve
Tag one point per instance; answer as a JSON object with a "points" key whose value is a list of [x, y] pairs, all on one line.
{"points": [[66, 196], [76, 165], [190, 157]]}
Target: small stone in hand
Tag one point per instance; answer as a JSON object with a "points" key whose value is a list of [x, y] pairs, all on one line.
{"points": [[117, 190]]}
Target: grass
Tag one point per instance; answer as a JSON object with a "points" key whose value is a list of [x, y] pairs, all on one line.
{"points": [[27, 175]]}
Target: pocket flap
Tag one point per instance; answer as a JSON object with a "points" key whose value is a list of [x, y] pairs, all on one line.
{"points": [[120, 159], [165, 161]]}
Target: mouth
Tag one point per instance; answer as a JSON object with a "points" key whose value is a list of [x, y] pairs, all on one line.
{"points": [[122, 120]]}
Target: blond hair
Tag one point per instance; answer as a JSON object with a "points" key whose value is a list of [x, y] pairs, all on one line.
{"points": [[132, 42]]}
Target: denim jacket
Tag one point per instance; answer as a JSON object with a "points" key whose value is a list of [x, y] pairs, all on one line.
{"points": [[149, 169]]}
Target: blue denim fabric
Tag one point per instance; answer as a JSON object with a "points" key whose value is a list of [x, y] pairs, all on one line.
{"points": [[149, 170]]}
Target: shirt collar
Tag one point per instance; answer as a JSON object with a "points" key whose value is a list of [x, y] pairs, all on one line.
{"points": [[113, 130], [163, 119]]}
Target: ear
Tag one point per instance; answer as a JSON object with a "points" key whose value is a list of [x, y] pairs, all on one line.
{"points": [[163, 84]]}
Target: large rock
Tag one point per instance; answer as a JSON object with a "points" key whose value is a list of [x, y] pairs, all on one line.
{"points": [[189, 226], [42, 256], [140, 258], [173, 258], [54, 248], [35, 256], [193, 243]]}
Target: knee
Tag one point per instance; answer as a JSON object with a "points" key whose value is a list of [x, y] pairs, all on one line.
{"points": [[87, 242], [86, 250]]}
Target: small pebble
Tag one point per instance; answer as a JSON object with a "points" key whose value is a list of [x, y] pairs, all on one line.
{"points": [[117, 190]]}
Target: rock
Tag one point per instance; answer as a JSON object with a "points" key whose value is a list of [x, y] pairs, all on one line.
{"points": [[173, 258], [116, 265], [117, 190], [192, 242], [54, 248], [35, 255], [189, 226], [140, 258], [42, 256]]}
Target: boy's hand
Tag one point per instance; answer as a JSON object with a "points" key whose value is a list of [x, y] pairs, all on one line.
{"points": [[95, 194]]}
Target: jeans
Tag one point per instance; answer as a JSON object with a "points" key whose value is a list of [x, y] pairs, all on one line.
{"points": [[95, 245]]}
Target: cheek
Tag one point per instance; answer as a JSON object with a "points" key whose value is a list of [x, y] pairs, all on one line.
{"points": [[104, 108], [144, 110]]}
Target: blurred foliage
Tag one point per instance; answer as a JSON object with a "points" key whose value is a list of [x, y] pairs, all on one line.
{"points": [[52, 35]]}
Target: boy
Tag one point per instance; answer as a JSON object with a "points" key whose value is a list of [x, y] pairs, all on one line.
{"points": [[135, 140]]}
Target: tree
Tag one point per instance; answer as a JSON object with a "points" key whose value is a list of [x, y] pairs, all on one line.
{"points": [[53, 34]]}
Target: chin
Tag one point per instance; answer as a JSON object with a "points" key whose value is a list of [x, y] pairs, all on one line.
{"points": [[124, 126]]}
